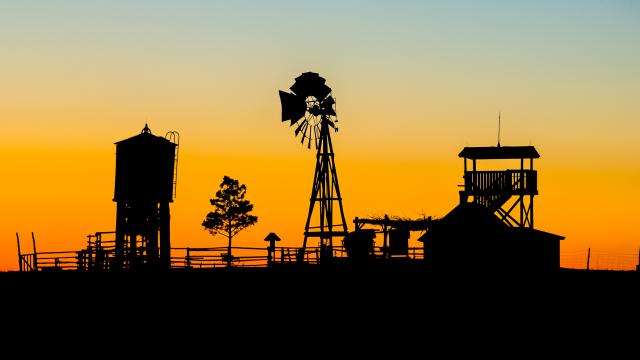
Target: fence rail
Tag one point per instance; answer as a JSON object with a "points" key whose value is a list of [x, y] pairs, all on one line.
{"points": [[599, 260], [198, 257], [216, 257]]}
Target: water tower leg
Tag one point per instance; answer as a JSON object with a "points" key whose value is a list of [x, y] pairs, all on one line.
{"points": [[152, 237], [120, 225], [165, 236]]}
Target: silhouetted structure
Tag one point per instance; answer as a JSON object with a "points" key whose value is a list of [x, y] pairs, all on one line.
{"points": [[395, 232], [359, 245], [272, 238], [494, 189], [485, 231], [311, 108], [144, 187], [470, 237], [99, 253]]}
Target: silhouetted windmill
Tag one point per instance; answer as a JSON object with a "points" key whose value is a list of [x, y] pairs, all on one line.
{"points": [[310, 107]]}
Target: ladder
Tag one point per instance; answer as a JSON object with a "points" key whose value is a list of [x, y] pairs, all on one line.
{"points": [[174, 137]]}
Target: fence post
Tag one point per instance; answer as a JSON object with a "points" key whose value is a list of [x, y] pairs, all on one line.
{"points": [[588, 257], [35, 253], [91, 265], [19, 254], [79, 260]]}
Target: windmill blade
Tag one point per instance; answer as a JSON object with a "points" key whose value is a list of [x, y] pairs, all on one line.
{"points": [[329, 101], [317, 133], [327, 106], [300, 127], [311, 84], [293, 107]]}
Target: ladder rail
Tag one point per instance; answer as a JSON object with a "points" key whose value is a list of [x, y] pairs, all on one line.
{"points": [[174, 137]]}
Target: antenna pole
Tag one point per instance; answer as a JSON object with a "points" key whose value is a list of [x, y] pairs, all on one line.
{"points": [[499, 123]]}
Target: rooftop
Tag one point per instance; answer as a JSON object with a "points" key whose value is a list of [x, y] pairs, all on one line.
{"points": [[499, 152], [146, 137]]}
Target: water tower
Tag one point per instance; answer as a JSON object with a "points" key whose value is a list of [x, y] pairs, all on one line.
{"points": [[145, 185]]}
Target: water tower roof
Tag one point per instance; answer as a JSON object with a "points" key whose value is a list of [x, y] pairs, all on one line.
{"points": [[146, 137]]}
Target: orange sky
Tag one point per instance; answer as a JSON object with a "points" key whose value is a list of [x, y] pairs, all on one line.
{"points": [[410, 94]]}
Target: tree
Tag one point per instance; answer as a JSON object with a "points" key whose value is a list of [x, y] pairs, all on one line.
{"points": [[230, 213]]}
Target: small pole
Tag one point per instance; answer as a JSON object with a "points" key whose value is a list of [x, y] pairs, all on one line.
{"points": [[385, 244], [271, 251], [19, 254], [35, 253], [588, 257], [638, 266]]}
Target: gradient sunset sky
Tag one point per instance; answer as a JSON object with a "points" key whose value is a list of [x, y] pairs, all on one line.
{"points": [[415, 82]]}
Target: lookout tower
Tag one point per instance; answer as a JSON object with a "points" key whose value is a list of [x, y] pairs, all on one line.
{"points": [[144, 187], [509, 192]]}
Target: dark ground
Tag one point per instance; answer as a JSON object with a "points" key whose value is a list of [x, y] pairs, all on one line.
{"points": [[331, 286], [397, 309]]}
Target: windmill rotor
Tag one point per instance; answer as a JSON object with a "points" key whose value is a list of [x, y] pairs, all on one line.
{"points": [[308, 106]]}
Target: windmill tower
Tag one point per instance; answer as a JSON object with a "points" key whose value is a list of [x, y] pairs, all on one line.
{"points": [[310, 108]]}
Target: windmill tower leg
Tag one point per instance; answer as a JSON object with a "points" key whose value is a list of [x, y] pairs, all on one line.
{"points": [[326, 191]]}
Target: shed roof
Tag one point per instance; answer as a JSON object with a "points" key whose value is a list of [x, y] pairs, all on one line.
{"points": [[535, 234], [499, 152], [471, 220], [272, 237]]}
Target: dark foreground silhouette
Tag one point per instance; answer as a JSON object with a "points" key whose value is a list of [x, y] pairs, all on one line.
{"points": [[401, 312]]}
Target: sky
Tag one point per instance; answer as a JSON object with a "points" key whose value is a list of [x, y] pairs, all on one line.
{"points": [[415, 82]]}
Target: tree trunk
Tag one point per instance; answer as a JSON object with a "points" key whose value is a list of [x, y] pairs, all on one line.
{"points": [[229, 247]]}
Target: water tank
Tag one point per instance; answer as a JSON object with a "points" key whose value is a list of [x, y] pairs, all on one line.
{"points": [[144, 169], [399, 242], [360, 244]]}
